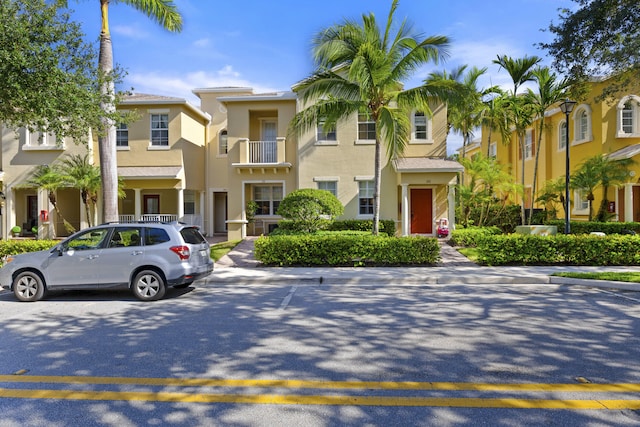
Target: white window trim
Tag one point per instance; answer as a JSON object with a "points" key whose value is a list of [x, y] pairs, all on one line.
{"points": [[333, 179], [577, 195], [359, 141], [576, 125], [359, 179], [27, 146], [328, 142], [152, 146], [220, 153], [429, 124], [635, 100], [493, 149], [528, 154], [562, 140]]}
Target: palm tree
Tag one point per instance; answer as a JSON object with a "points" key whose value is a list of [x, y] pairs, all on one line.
{"points": [[360, 69], [50, 178], [587, 178], [78, 172], [549, 91], [165, 13], [466, 108], [494, 116], [521, 72]]}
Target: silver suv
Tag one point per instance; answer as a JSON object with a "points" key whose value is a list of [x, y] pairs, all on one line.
{"points": [[144, 257]]}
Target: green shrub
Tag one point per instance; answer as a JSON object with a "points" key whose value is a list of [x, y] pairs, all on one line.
{"points": [[559, 249], [307, 207], [586, 227], [386, 226], [468, 237], [338, 249], [13, 247]]}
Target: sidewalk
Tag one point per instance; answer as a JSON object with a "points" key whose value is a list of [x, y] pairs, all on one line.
{"points": [[239, 266]]}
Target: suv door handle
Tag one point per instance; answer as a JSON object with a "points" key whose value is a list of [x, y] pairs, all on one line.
{"points": [[93, 256], [136, 253]]}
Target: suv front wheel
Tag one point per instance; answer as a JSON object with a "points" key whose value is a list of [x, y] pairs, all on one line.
{"points": [[28, 286], [148, 286]]}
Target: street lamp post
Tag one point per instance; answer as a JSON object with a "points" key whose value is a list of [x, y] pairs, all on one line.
{"points": [[566, 107]]}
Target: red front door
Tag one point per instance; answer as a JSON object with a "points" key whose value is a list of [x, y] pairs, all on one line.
{"points": [[421, 211]]}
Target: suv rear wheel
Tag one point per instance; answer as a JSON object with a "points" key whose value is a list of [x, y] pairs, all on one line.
{"points": [[148, 286]]}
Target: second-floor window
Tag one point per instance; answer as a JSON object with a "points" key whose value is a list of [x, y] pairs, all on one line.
{"points": [[122, 135], [323, 134], [420, 126], [493, 149], [629, 116], [528, 144], [223, 145], [39, 139], [366, 127], [160, 129], [582, 124], [562, 136]]}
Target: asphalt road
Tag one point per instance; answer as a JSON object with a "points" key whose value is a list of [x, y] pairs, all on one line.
{"points": [[313, 354]]}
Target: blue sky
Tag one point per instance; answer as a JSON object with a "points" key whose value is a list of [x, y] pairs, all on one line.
{"points": [[266, 44]]}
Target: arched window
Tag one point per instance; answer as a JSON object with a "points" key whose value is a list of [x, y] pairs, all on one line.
{"points": [[582, 124], [562, 135], [629, 116], [222, 143]]}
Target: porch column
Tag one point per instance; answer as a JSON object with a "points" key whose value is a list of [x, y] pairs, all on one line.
{"points": [[180, 204], [451, 205], [45, 228], [138, 204], [405, 209], [628, 203], [203, 200]]}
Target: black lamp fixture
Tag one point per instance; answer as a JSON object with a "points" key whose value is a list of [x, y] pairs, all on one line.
{"points": [[567, 107]]}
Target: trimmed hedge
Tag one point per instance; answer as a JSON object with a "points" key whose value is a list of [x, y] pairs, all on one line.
{"points": [[346, 250], [13, 247], [288, 227], [581, 227], [517, 249], [468, 237]]}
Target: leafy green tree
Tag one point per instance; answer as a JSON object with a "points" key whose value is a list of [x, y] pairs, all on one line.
{"points": [[48, 73], [612, 172], [599, 37], [50, 178], [587, 179], [165, 13], [549, 91], [553, 192], [361, 69], [309, 207]]}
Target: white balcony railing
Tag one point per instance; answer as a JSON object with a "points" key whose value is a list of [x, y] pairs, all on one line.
{"points": [[149, 218], [263, 151]]}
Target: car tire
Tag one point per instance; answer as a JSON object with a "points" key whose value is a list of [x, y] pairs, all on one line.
{"points": [[28, 286], [148, 285]]}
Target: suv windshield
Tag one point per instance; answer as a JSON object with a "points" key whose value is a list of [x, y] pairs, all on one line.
{"points": [[192, 236]]}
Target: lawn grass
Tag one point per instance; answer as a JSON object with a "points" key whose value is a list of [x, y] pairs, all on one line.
{"points": [[469, 252], [219, 250], [633, 277]]}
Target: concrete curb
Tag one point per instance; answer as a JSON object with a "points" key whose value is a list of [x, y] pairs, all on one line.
{"points": [[605, 284]]}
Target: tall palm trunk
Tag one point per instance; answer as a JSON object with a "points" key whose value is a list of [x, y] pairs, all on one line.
{"points": [[377, 185], [535, 168], [107, 136]]}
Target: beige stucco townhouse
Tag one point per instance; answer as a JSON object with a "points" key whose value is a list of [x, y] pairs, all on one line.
{"points": [[253, 158]]}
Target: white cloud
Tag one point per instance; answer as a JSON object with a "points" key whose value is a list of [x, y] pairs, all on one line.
{"points": [[130, 31], [181, 85], [202, 43]]}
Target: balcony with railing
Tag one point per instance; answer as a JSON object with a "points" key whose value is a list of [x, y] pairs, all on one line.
{"points": [[191, 219], [262, 155]]}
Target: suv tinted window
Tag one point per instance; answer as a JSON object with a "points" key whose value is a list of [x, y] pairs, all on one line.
{"points": [[155, 236], [192, 236]]}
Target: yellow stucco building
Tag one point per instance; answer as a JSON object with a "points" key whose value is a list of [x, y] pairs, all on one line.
{"points": [[597, 125]]}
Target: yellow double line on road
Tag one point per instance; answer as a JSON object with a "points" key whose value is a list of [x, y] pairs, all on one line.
{"points": [[297, 399]]}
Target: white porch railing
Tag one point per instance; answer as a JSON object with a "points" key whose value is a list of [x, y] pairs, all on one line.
{"points": [[263, 151], [187, 219]]}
